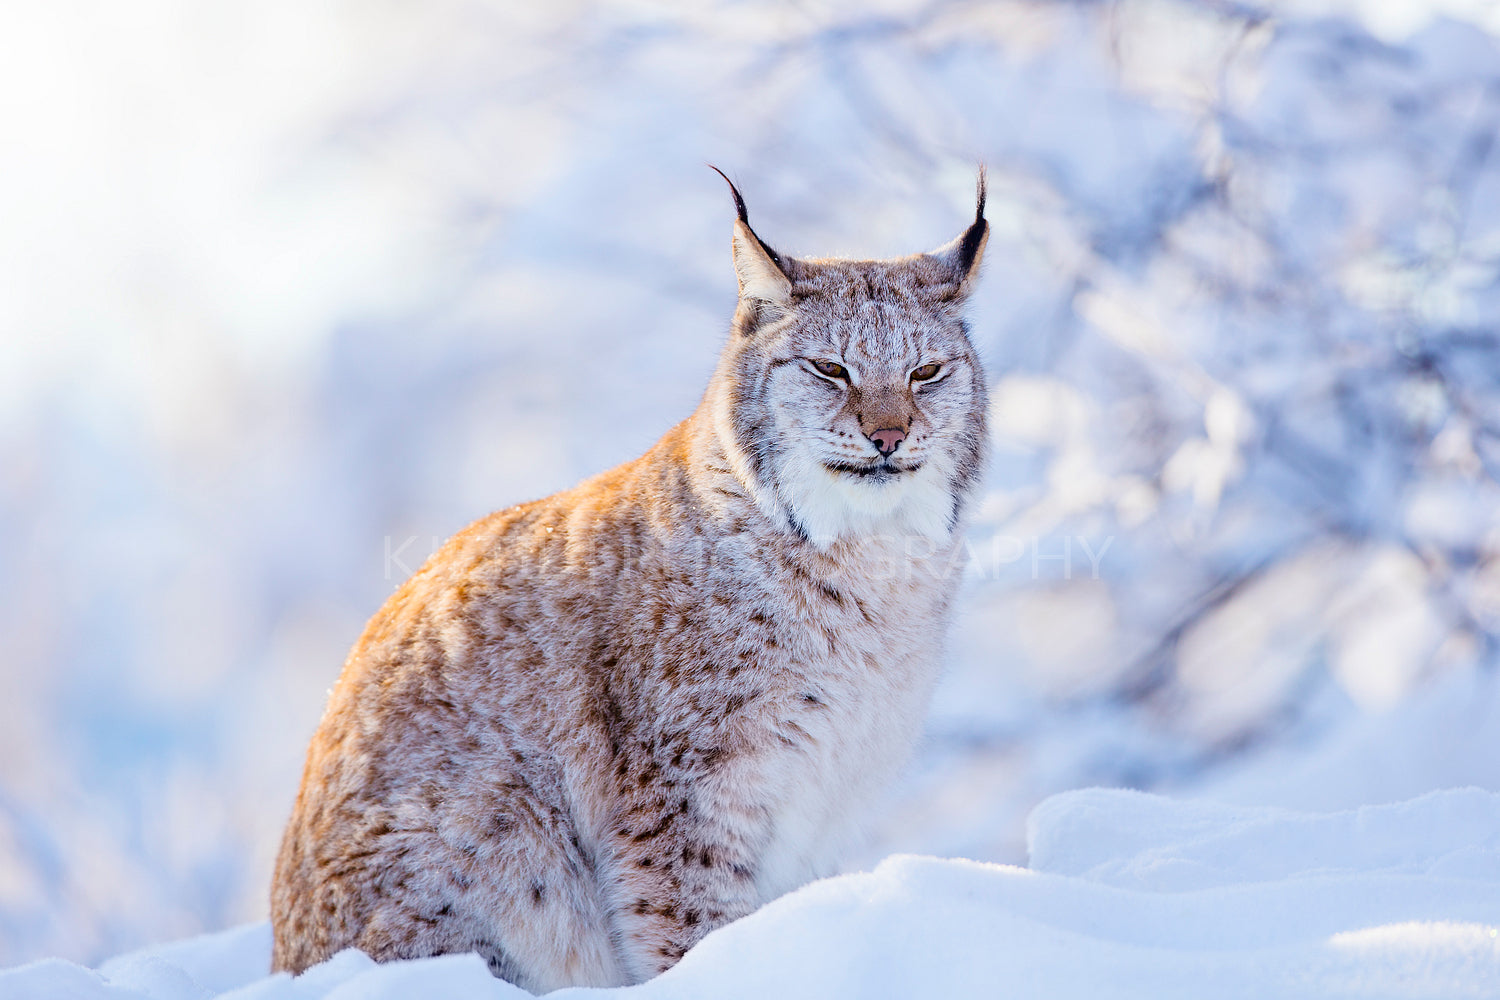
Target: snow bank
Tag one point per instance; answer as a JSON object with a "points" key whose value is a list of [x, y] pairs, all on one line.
{"points": [[1128, 895]]}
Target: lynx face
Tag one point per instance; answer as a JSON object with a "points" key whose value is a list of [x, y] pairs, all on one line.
{"points": [[857, 401]]}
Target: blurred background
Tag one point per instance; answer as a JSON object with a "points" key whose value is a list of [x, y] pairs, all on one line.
{"points": [[290, 290]]}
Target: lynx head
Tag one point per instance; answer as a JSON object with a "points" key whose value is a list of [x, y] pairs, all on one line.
{"points": [[849, 396]]}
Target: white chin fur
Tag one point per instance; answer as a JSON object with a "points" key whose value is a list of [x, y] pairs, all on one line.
{"points": [[832, 505]]}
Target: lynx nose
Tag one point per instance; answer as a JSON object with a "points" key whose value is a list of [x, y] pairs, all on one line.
{"points": [[887, 439]]}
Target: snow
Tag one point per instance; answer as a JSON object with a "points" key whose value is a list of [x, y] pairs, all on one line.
{"points": [[1127, 895]]}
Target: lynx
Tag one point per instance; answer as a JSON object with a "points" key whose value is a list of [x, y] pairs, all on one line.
{"points": [[594, 727]]}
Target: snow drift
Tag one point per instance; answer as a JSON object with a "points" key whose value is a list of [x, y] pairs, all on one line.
{"points": [[1127, 895]]}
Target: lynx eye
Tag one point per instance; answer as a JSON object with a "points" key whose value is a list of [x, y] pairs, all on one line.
{"points": [[831, 368], [926, 372]]}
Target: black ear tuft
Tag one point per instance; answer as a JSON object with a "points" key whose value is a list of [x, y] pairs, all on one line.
{"points": [[961, 256], [739, 203], [744, 217], [973, 238]]}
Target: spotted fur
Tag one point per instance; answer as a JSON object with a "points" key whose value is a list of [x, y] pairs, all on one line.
{"points": [[594, 727]]}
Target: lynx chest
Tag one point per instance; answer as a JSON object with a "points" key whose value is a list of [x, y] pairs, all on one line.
{"points": [[848, 686]]}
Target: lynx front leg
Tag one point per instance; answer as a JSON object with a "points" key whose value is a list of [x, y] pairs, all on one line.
{"points": [[678, 876]]}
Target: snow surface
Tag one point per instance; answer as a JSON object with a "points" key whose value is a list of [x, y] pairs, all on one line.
{"points": [[1127, 895]]}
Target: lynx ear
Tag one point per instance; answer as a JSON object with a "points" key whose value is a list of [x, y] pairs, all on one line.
{"points": [[759, 268], [963, 255]]}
